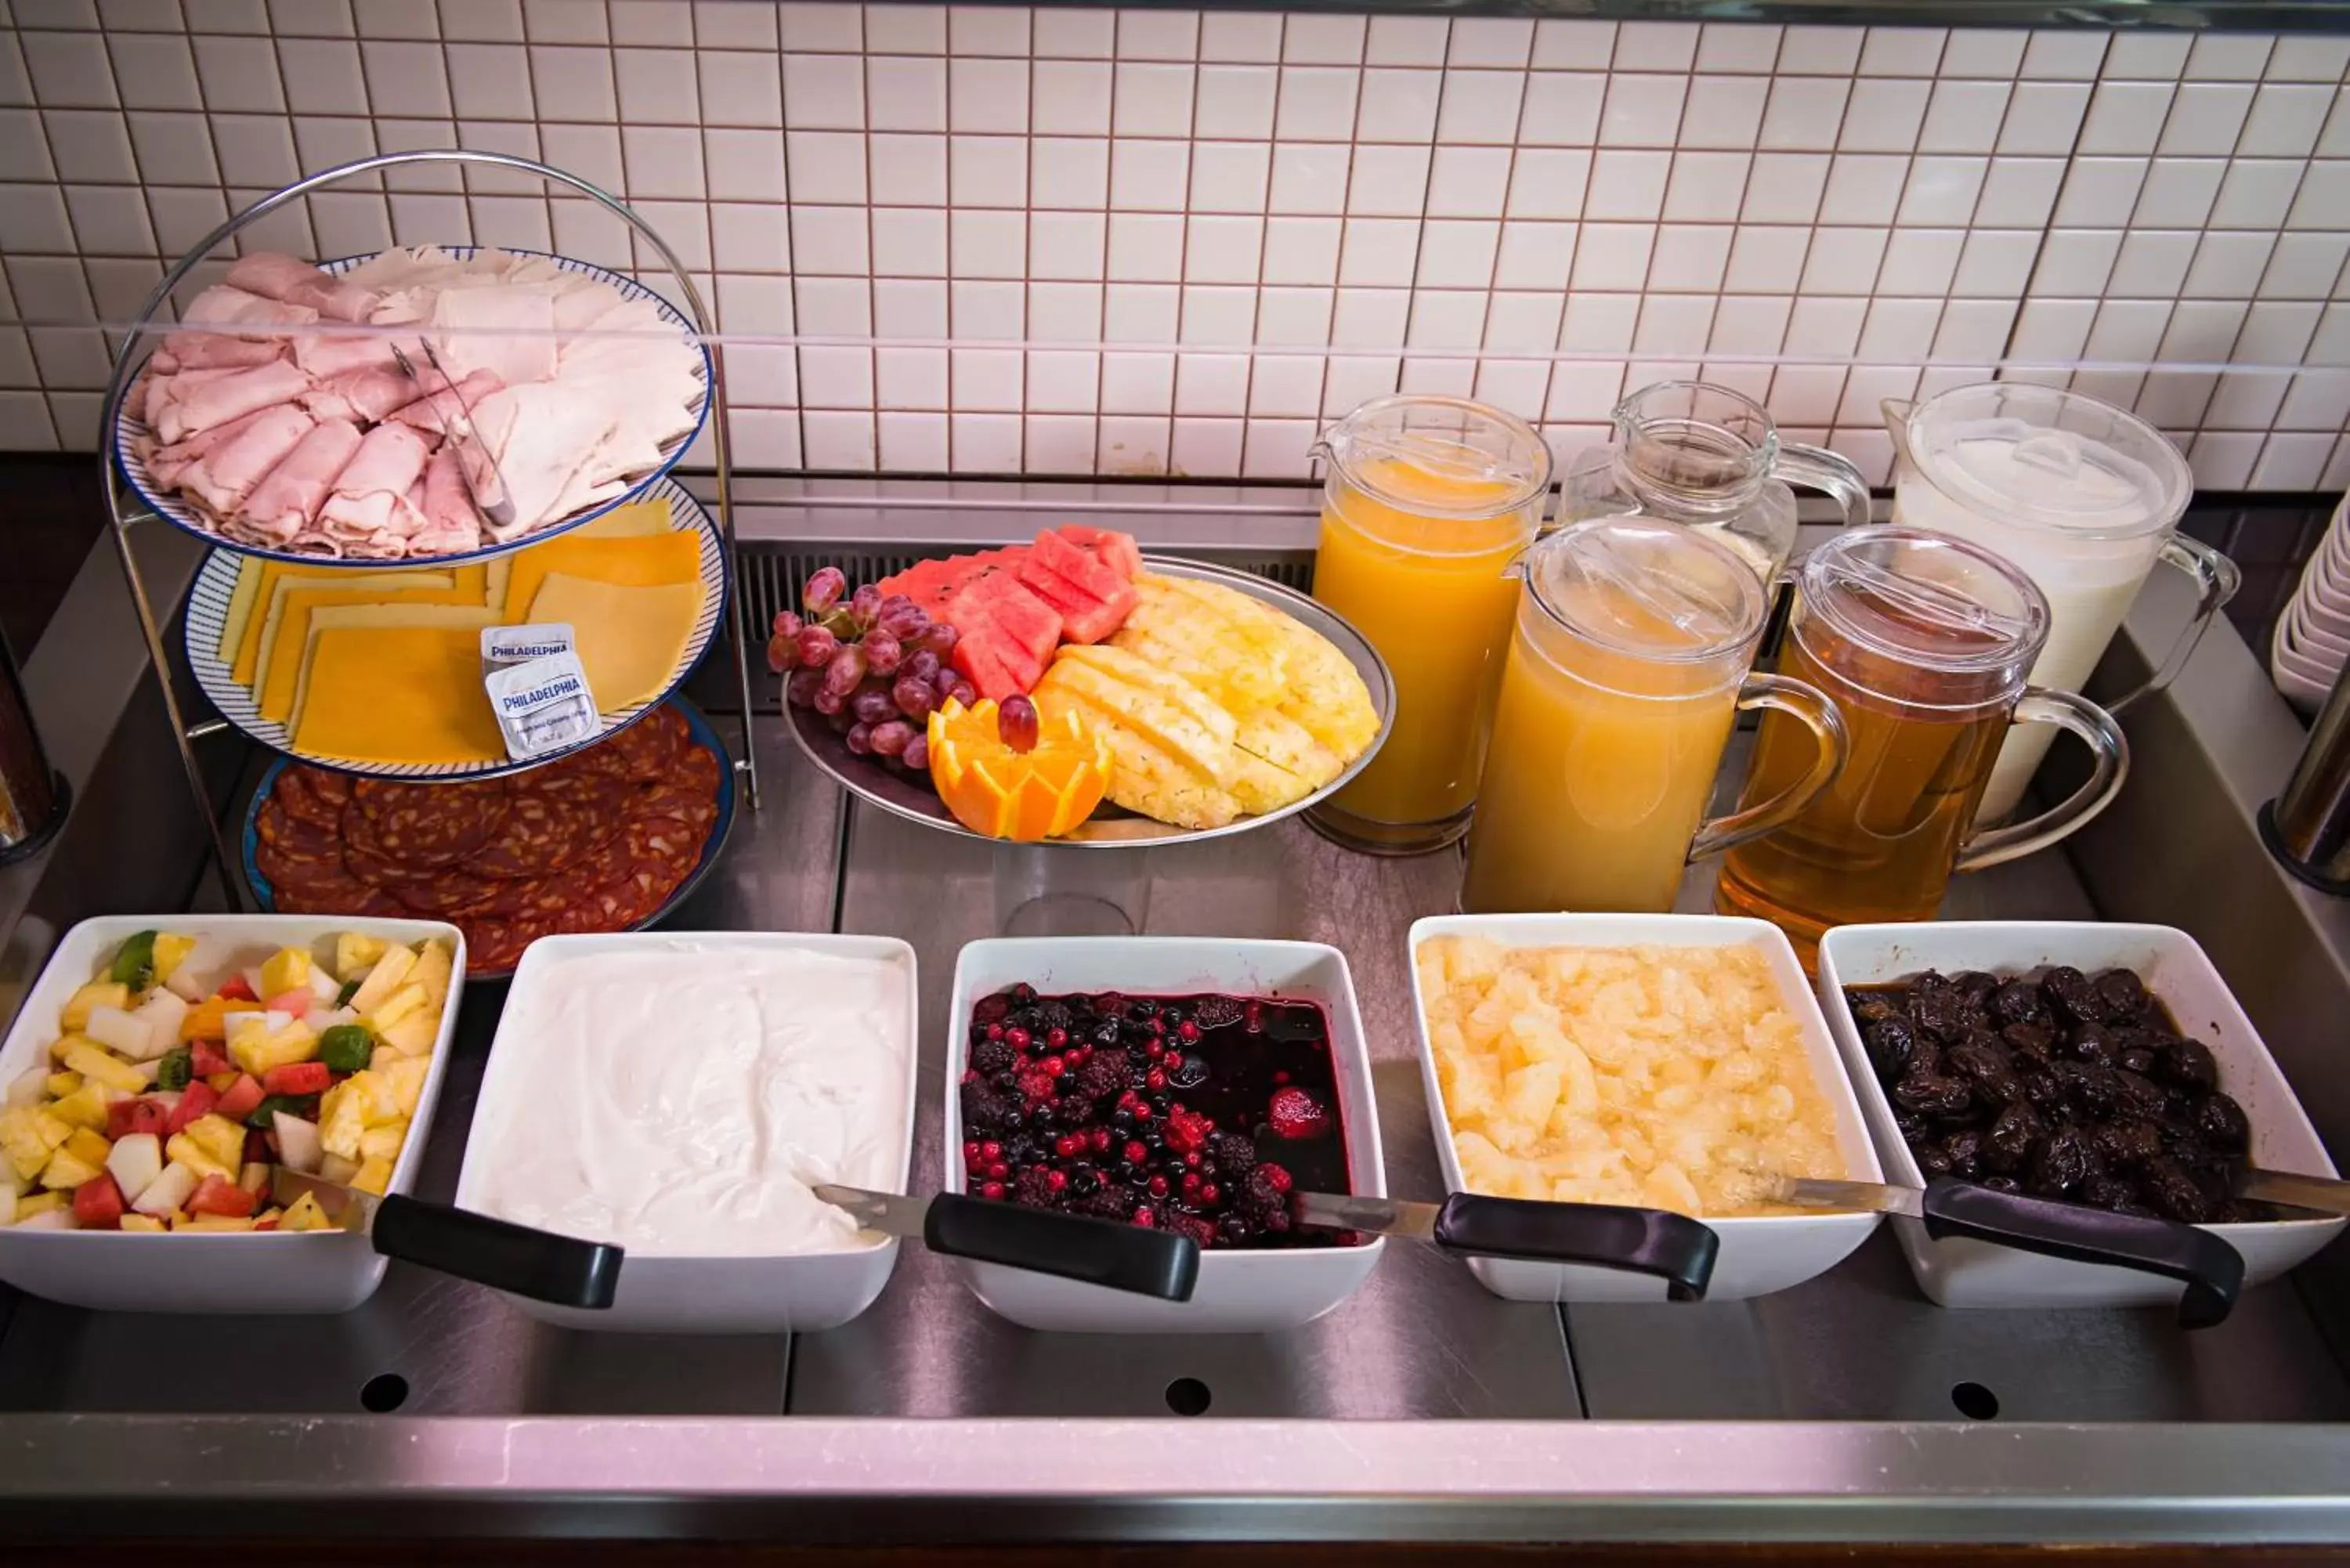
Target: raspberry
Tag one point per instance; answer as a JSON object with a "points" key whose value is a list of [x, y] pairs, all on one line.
{"points": [[1295, 1114]]}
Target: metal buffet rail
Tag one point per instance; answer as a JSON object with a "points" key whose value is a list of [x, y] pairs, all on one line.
{"points": [[1421, 1408]]}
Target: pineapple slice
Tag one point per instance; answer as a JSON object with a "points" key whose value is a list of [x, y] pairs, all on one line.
{"points": [[140, 1221], [256, 1052], [93, 1063], [385, 978], [74, 1016], [374, 1176], [184, 1150], [286, 970], [29, 1134], [355, 954], [221, 1138], [85, 1108], [61, 1083], [171, 951], [304, 1214]]}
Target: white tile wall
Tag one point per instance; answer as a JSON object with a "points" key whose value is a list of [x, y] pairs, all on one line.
{"points": [[1161, 241]]}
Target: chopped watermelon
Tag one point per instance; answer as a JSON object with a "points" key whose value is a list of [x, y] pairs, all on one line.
{"points": [[930, 583], [999, 600], [987, 660], [1116, 550], [1093, 599]]}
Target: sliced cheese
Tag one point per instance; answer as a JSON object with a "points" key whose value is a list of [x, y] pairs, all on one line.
{"points": [[329, 618], [401, 694], [643, 562], [277, 581], [496, 571], [629, 639], [241, 600], [281, 670], [634, 520]]}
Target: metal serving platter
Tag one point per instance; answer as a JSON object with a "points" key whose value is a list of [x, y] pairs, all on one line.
{"points": [[1111, 827]]}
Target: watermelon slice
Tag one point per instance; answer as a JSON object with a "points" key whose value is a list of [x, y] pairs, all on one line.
{"points": [[1092, 598], [931, 584], [997, 600], [1116, 550], [985, 659]]}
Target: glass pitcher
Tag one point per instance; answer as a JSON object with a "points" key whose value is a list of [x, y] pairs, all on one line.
{"points": [[1627, 672], [2081, 495], [1426, 502], [1710, 458]]}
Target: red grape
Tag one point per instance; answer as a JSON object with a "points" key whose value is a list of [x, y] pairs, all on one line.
{"points": [[817, 647], [892, 739], [873, 705], [860, 738], [787, 624], [865, 604], [882, 652], [783, 655], [823, 591], [1015, 722], [965, 692], [921, 664], [800, 689], [846, 670], [940, 638], [944, 682], [914, 699], [902, 618], [916, 755], [826, 701]]}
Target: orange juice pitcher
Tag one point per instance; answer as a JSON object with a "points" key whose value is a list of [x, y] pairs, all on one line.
{"points": [[1426, 502]]}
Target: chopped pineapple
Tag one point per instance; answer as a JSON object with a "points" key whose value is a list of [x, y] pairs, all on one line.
{"points": [[221, 1138], [207, 1020], [254, 1177], [171, 951], [258, 1053], [415, 1034], [434, 962], [34, 1203], [85, 1108], [390, 971], [67, 1171], [383, 1142], [83, 1142], [187, 1151], [142, 1222], [61, 1083], [215, 1222], [342, 1118], [75, 1016], [94, 1063], [337, 1168], [374, 1176], [406, 1076], [304, 1214], [400, 1004], [29, 1134], [67, 1042], [286, 970], [356, 954]]}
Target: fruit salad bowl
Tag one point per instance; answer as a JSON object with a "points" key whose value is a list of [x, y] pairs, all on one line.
{"points": [[911, 796], [1245, 1289]]}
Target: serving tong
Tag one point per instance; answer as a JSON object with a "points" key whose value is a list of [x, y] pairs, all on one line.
{"points": [[489, 492]]}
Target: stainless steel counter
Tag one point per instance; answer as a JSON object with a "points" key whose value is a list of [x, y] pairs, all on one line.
{"points": [[1422, 1408]]}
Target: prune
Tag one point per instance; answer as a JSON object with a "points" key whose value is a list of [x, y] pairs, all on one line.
{"points": [[1942, 1098], [2106, 1192], [1975, 986], [2139, 1096], [2006, 1184], [2121, 995], [1940, 1013], [2090, 1042], [2174, 1194], [2126, 1143], [1933, 1160], [2221, 1123], [2017, 1002], [1909, 1124], [1964, 1151], [1889, 1041], [1978, 1057], [2070, 995], [2035, 1040], [2137, 1059], [2063, 1164], [1871, 1007], [2041, 1090], [2189, 1066], [2009, 1144], [2090, 1090]]}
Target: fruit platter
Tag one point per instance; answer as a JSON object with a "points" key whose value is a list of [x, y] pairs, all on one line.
{"points": [[1073, 691]]}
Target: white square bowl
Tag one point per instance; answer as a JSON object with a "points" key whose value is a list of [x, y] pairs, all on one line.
{"points": [[232, 1272], [1963, 1272], [798, 1293], [1240, 1291], [1760, 1253]]}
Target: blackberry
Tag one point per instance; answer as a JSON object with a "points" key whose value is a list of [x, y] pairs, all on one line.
{"points": [[1102, 1075], [989, 1057], [1202, 1232], [984, 1110], [1218, 1012], [1034, 1188], [1232, 1151], [1055, 1015], [1111, 1202]]}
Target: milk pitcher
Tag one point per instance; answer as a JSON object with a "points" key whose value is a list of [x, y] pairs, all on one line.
{"points": [[1709, 457], [2084, 497]]}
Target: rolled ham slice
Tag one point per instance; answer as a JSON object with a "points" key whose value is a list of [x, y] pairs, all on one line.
{"points": [[287, 503], [292, 281], [376, 393], [217, 350], [452, 520], [439, 414], [226, 475], [189, 407], [166, 463], [224, 306], [329, 355], [369, 508], [160, 391]]}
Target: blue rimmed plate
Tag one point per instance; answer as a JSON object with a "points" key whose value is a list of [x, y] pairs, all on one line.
{"points": [[698, 728], [206, 619], [176, 510]]}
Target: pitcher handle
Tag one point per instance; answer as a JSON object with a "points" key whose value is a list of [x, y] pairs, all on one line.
{"points": [[2216, 582], [1823, 470], [1809, 706], [2081, 716]]}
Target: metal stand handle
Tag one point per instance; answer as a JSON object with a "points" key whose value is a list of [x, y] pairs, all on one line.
{"points": [[126, 510]]}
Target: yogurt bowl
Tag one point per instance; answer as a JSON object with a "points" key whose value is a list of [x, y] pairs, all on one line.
{"points": [[675, 1093]]}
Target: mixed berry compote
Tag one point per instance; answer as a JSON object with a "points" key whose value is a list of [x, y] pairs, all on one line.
{"points": [[1193, 1113]]}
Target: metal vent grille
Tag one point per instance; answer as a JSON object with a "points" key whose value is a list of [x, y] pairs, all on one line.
{"points": [[768, 577]]}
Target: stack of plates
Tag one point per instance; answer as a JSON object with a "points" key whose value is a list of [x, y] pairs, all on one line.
{"points": [[2312, 640]]}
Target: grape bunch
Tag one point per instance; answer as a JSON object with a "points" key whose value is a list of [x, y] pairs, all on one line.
{"points": [[873, 666]]}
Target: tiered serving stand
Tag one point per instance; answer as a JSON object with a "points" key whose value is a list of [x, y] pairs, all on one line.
{"points": [[126, 506]]}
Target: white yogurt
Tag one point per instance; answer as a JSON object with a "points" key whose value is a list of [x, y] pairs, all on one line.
{"points": [[680, 1099]]}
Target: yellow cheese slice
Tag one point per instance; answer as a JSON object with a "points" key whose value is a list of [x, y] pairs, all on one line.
{"points": [[634, 520], [278, 579], [644, 562], [496, 571], [629, 639], [329, 618], [241, 600], [281, 669], [401, 694]]}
